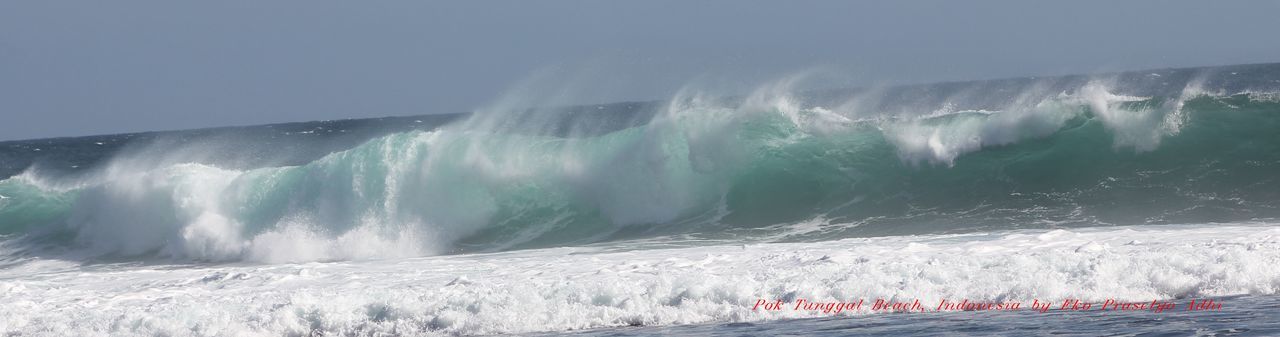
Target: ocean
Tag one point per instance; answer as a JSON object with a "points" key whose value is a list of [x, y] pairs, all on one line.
{"points": [[1078, 205]]}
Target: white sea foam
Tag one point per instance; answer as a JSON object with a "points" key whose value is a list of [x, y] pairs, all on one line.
{"points": [[592, 287], [418, 193], [944, 135]]}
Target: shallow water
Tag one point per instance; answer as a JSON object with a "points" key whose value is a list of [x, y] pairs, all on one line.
{"points": [[1239, 316], [672, 217]]}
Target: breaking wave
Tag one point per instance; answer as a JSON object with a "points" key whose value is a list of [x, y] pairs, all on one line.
{"points": [[771, 166]]}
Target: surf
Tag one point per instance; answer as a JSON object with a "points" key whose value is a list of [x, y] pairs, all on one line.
{"points": [[780, 164]]}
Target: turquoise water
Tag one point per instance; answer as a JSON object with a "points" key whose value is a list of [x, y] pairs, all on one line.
{"points": [[254, 217], [1054, 153]]}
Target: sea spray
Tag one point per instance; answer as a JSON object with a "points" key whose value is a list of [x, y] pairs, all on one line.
{"points": [[763, 167]]}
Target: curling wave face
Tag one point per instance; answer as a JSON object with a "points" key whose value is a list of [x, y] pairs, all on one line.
{"points": [[771, 166]]}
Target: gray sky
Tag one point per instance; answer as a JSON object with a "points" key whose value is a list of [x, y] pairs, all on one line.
{"points": [[72, 68]]}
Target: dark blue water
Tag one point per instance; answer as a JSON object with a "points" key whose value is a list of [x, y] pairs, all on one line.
{"points": [[1164, 147]]}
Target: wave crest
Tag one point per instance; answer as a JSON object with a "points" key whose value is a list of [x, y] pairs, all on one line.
{"points": [[752, 168]]}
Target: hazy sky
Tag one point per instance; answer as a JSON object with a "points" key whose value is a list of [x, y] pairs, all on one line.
{"points": [[89, 67]]}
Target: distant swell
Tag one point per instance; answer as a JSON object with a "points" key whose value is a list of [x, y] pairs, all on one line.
{"points": [[769, 167]]}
